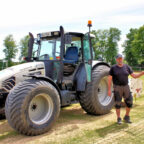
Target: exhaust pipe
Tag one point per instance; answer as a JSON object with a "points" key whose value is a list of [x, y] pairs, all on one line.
{"points": [[30, 47]]}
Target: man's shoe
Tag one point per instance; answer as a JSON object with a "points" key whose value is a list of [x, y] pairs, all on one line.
{"points": [[127, 119], [119, 121]]}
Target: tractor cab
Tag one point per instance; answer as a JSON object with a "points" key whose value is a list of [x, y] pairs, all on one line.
{"points": [[64, 54], [49, 47]]}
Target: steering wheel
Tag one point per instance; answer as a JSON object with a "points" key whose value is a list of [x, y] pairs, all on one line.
{"points": [[46, 56]]}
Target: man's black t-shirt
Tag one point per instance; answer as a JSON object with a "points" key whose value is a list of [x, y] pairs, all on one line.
{"points": [[120, 74]]}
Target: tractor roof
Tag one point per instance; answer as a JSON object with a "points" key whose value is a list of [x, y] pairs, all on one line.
{"points": [[57, 34]]}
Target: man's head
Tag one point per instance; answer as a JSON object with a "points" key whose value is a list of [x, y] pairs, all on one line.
{"points": [[119, 59]]}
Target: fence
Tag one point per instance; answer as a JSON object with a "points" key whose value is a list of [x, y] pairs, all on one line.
{"points": [[138, 68]]}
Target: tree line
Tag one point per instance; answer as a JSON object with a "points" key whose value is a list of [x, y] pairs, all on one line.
{"points": [[134, 47], [11, 49], [105, 45]]}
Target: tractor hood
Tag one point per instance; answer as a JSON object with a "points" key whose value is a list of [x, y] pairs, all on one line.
{"points": [[18, 71]]}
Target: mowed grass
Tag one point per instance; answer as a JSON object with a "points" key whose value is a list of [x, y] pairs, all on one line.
{"points": [[142, 77], [74, 126], [87, 129], [106, 130]]}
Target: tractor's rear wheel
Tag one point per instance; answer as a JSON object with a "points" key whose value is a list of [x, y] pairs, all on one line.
{"points": [[32, 107], [95, 99]]}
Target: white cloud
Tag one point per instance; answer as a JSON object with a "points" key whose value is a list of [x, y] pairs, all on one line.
{"points": [[18, 17], [121, 19], [32, 12]]}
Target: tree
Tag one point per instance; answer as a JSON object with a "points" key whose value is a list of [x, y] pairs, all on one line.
{"points": [[129, 52], [1, 64], [10, 49], [138, 45], [105, 44], [100, 43], [24, 47], [112, 45]]}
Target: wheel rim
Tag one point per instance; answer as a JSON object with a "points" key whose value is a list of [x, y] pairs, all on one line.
{"points": [[40, 109], [104, 99]]}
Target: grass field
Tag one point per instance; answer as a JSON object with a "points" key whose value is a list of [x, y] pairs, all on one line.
{"points": [[74, 126]]}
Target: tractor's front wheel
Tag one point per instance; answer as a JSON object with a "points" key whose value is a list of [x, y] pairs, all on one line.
{"points": [[95, 99], [32, 107]]}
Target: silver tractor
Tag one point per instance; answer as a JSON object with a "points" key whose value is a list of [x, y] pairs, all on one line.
{"points": [[60, 70]]}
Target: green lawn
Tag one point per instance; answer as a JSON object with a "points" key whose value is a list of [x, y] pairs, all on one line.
{"points": [[74, 126], [99, 129]]}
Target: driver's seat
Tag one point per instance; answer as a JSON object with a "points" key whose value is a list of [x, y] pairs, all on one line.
{"points": [[70, 60], [71, 55]]}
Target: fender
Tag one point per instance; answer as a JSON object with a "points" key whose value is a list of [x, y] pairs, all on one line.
{"points": [[97, 63], [39, 77], [80, 78]]}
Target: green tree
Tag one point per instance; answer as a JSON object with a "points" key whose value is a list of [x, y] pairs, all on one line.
{"points": [[100, 43], [10, 49], [138, 45], [105, 44], [24, 47], [1, 64], [129, 52], [112, 45]]}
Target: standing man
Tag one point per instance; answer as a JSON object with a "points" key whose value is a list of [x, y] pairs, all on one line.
{"points": [[119, 75]]}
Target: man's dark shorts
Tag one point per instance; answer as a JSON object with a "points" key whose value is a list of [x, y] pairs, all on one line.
{"points": [[122, 92]]}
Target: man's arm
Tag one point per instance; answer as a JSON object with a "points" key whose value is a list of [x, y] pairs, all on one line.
{"points": [[109, 85], [137, 75]]}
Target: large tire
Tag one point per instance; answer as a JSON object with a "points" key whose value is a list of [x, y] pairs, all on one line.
{"points": [[95, 99], [32, 107]]}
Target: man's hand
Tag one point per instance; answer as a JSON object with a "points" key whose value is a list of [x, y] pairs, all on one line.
{"points": [[137, 75]]}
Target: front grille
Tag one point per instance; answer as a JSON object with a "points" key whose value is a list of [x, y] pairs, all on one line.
{"points": [[8, 84]]}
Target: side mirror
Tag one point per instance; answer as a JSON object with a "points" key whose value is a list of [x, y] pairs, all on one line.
{"points": [[30, 47]]}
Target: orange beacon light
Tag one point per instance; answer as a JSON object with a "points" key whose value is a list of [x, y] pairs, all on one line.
{"points": [[89, 23]]}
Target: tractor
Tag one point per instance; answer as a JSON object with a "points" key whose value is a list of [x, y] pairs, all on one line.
{"points": [[59, 71]]}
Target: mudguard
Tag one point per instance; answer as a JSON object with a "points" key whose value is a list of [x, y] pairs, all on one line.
{"points": [[48, 80], [80, 78], [97, 63]]}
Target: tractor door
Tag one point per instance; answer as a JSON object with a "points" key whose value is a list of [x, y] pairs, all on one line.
{"points": [[87, 57]]}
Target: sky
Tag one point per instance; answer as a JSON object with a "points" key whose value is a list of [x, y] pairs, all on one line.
{"points": [[18, 17]]}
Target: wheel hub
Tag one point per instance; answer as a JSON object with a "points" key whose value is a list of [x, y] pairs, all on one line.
{"points": [[33, 107], [99, 90], [41, 108], [104, 99]]}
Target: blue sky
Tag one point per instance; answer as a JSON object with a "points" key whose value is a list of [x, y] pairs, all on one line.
{"points": [[18, 17]]}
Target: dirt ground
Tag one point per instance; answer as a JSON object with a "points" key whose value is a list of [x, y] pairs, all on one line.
{"points": [[75, 123], [74, 126]]}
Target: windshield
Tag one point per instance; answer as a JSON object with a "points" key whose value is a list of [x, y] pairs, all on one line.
{"points": [[49, 49]]}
